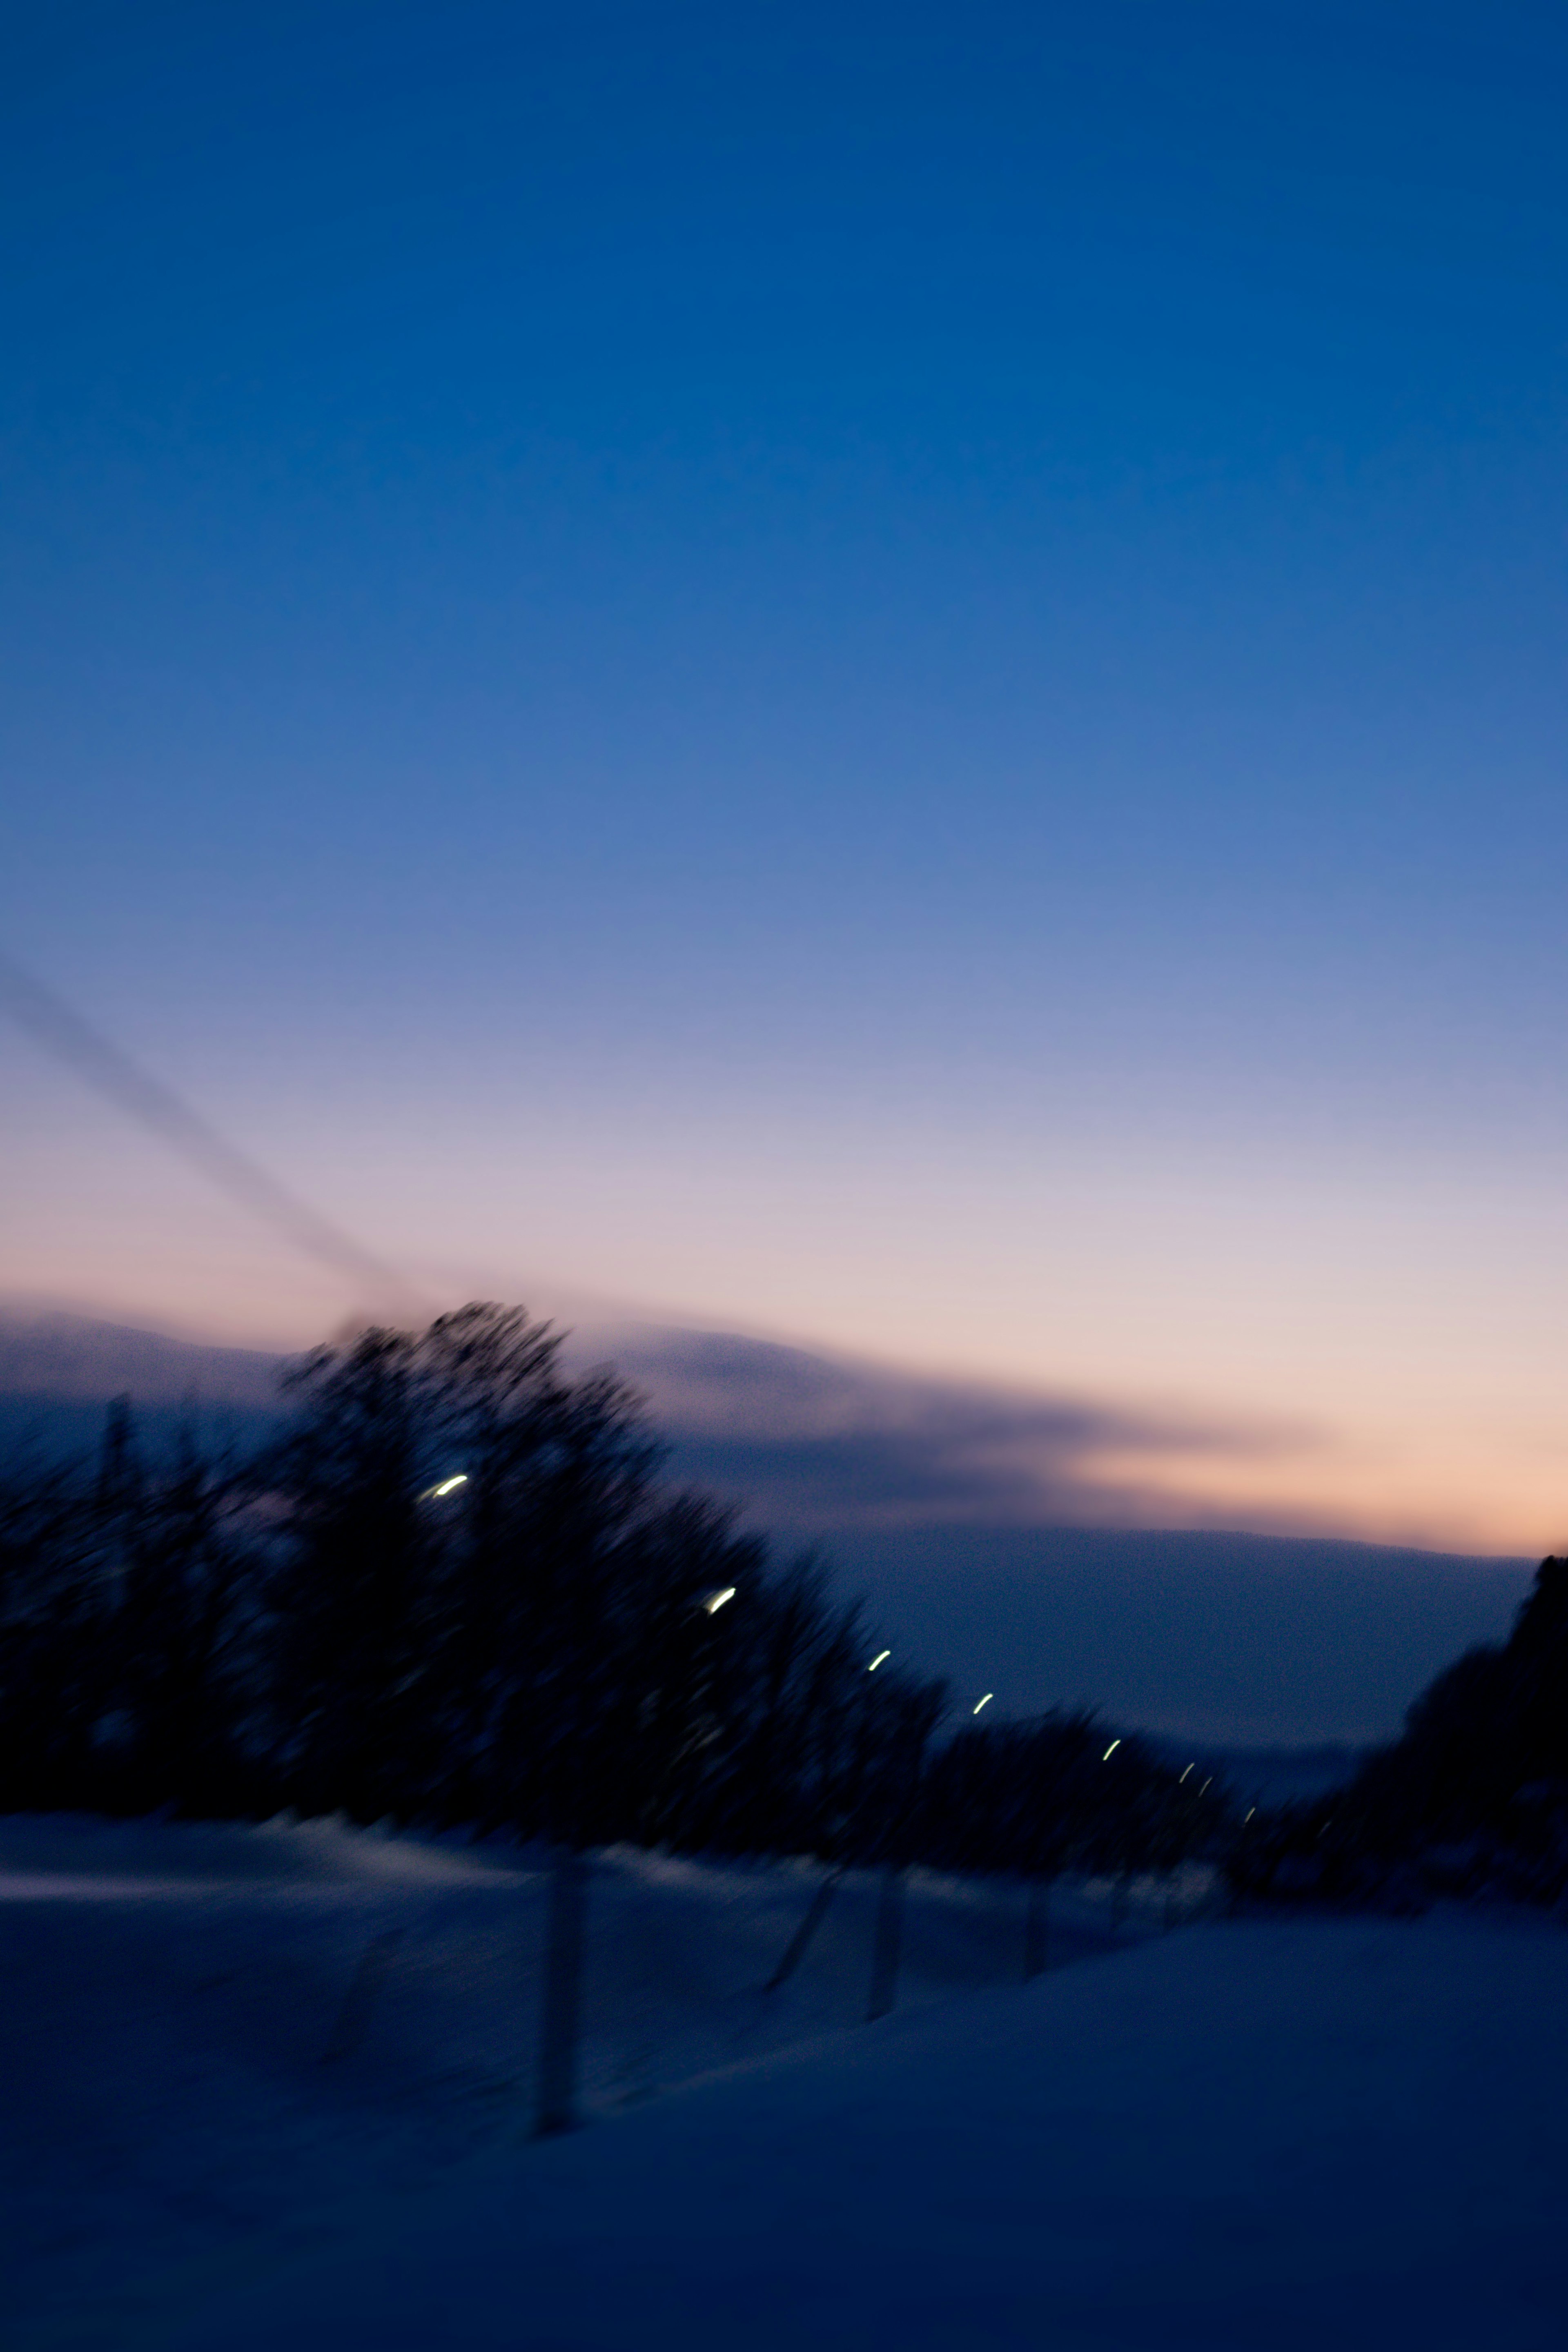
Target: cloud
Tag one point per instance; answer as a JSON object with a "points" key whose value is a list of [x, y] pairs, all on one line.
{"points": [[810, 1442], [805, 1442]]}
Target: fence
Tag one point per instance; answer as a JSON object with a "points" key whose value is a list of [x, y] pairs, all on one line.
{"points": [[1024, 1927]]}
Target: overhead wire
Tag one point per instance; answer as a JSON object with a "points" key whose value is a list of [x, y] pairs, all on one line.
{"points": [[110, 1072]]}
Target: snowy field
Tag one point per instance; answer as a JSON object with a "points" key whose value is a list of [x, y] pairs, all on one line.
{"points": [[1243, 2135], [217, 2029]]}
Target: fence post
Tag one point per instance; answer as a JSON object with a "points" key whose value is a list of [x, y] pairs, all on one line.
{"points": [[795, 1949], [561, 1995], [887, 1938], [1036, 1929]]}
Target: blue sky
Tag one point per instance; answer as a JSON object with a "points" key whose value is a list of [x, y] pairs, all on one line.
{"points": [[885, 675]]}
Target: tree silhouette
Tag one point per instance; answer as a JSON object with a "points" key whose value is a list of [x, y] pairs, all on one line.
{"points": [[454, 1588], [1472, 1800]]}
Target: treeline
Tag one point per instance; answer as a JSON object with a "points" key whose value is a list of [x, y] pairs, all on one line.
{"points": [[454, 1591], [1473, 1800]]}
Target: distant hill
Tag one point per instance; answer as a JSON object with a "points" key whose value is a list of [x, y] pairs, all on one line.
{"points": [[57, 1372], [1219, 1638]]}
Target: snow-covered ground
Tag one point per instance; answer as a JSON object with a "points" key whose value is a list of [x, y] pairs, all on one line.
{"points": [[216, 2029], [1245, 2134]]}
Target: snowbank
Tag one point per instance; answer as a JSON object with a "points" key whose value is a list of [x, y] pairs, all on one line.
{"points": [[1245, 2137], [215, 2029]]}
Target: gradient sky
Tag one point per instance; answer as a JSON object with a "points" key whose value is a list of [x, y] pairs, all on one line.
{"points": [[888, 675]]}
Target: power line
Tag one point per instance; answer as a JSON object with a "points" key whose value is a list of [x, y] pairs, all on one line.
{"points": [[112, 1073]]}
